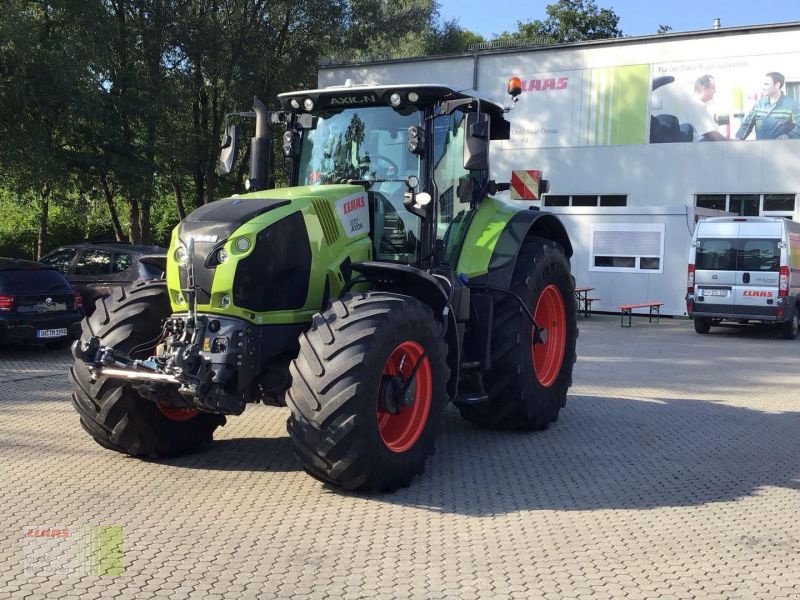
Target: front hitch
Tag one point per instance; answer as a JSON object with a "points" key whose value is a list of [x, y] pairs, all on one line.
{"points": [[178, 362]]}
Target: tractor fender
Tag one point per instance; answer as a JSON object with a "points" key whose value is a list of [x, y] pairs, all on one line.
{"points": [[413, 282], [521, 225]]}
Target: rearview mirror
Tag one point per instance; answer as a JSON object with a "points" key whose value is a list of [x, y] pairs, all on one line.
{"points": [[230, 146], [476, 144]]}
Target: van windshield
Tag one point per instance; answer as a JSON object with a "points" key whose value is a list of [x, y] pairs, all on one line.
{"points": [[737, 254]]}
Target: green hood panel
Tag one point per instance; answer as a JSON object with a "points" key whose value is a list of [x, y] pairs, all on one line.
{"points": [[336, 222]]}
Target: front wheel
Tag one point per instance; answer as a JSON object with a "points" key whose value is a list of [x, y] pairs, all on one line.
{"points": [[368, 390], [111, 410]]}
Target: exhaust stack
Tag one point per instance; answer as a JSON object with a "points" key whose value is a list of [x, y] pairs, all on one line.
{"points": [[260, 149]]}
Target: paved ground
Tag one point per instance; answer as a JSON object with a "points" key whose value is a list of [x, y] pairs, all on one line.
{"points": [[674, 472]]}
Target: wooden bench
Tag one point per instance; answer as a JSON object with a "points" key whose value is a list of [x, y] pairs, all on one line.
{"points": [[627, 310], [588, 306]]}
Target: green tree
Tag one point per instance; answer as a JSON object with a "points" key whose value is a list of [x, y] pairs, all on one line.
{"points": [[570, 21], [450, 38], [111, 111], [42, 81]]}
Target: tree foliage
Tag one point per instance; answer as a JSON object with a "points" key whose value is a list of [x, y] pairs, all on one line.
{"points": [[570, 21], [111, 111]]}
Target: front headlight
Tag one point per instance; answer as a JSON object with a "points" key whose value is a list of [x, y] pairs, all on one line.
{"points": [[242, 244], [181, 255]]}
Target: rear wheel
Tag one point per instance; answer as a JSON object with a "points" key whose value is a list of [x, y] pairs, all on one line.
{"points": [[790, 328], [111, 410], [528, 380], [368, 390], [702, 325]]}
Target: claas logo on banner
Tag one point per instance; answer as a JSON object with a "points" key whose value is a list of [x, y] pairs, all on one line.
{"points": [[528, 185]]}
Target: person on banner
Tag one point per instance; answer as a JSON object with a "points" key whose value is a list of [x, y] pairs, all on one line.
{"points": [[774, 116], [680, 115], [705, 87]]}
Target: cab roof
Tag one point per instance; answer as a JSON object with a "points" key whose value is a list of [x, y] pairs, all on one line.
{"points": [[378, 95]]}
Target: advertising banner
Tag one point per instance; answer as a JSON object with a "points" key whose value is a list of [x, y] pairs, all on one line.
{"points": [[743, 98], [586, 107], [740, 98]]}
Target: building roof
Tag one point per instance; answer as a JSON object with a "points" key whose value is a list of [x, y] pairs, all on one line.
{"points": [[659, 37]]}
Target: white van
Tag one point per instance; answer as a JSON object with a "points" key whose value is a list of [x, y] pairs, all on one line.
{"points": [[745, 269]]}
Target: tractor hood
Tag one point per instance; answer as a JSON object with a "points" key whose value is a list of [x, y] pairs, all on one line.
{"points": [[213, 223], [253, 254]]}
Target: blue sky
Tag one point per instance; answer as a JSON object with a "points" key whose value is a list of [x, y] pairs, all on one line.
{"points": [[637, 17]]}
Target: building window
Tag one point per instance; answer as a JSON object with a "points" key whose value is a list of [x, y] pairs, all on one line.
{"points": [[744, 205], [627, 247], [750, 205], [556, 200], [713, 201], [779, 202], [586, 200], [614, 200]]}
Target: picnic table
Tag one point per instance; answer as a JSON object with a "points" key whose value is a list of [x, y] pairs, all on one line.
{"points": [[584, 303], [627, 310]]}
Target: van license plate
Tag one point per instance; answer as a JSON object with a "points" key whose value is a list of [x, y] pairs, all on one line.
{"points": [[51, 333], [715, 292]]}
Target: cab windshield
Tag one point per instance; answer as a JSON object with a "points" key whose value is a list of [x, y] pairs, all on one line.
{"points": [[369, 144], [358, 143]]}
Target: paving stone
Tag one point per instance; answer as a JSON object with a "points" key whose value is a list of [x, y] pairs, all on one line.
{"points": [[671, 473]]}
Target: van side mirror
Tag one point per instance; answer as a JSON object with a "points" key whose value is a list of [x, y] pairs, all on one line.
{"points": [[230, 146], [476, 145]]}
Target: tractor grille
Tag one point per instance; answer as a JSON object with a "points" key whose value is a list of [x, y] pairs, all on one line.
{"points": [[210, 225], [275, 276], [327, 220]]}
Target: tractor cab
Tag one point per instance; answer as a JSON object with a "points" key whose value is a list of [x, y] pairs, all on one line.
{"points": [[419, 151]]}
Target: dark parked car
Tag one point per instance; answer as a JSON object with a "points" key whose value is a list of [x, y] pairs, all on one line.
{"points": [[37, 304], [95, 269]]}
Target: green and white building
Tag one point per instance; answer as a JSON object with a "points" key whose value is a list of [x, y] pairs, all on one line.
{"points": [[617, 127]]}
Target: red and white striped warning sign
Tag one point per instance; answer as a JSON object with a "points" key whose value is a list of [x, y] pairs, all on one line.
{"points": [[525, 185]]}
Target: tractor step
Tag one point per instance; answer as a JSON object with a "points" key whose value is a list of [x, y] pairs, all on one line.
{"points": [[471, 399], [470, 365]]}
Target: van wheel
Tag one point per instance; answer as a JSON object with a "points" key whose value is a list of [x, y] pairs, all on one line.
{"points": [[702, 325], [790, 328]]}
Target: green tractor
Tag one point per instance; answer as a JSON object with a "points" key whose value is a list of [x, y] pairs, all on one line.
{"points": [[385, 282]]}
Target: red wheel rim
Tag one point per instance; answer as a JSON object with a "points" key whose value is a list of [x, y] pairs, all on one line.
{"points": [[548, 355], [174, 413], [401, 431]]}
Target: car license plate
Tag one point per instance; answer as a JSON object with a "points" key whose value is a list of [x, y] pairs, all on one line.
{"points": [[51, 333], [715, 292]]}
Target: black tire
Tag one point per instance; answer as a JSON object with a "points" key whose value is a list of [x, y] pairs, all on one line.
{"points": [[518, 397], [702, 325], [111, 410], [336, 381], [790, 328]]}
